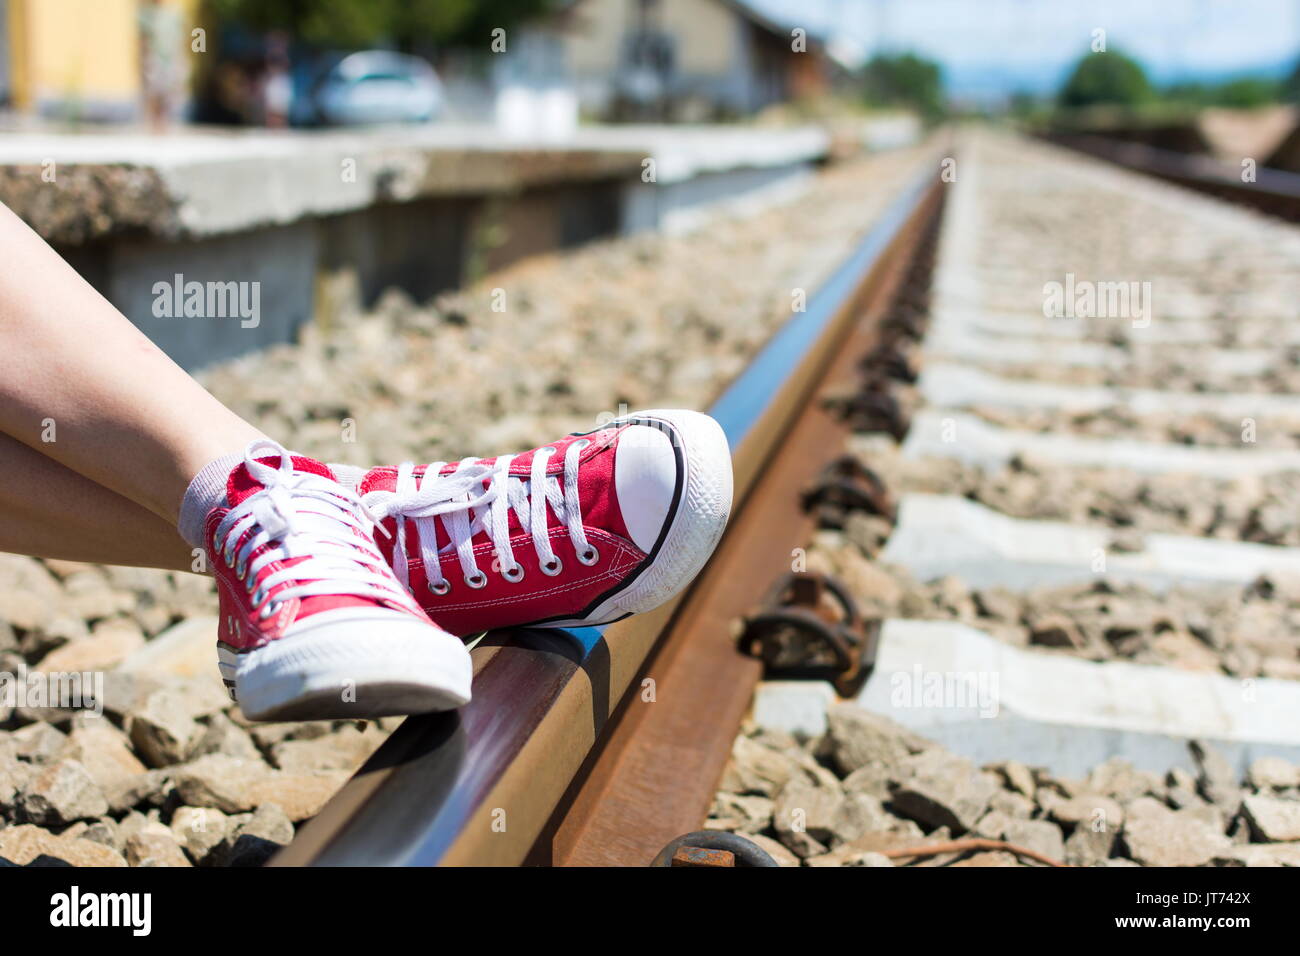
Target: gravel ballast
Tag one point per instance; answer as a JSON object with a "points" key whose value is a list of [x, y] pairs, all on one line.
{"points": [[871, 793]]}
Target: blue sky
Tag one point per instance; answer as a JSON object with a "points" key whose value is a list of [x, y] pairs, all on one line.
{"points": [[992, 47]]}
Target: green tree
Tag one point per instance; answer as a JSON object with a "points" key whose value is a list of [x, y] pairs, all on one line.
{"points": [[407, 24], [1190, 93], [1106, 78], [1247, 92], [904, 79], [1290, 87]]}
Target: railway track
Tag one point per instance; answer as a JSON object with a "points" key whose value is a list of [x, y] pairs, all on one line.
{"points": [[1084, 594], [599, 746], [1274, 192], [960, 460]]}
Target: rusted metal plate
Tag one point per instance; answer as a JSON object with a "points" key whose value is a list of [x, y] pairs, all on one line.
{"points": [[810, 628], [697, 856]]}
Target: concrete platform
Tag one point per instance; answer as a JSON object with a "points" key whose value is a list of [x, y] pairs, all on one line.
{"points": [[407, 207], [941, 434], [200, 182], [938, 535], [990, 701], [948, 385]]}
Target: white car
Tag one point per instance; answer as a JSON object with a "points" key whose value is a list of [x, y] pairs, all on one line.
{"points": [[377, 86]]}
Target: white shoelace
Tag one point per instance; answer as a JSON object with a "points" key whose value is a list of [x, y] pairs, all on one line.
{"points": [[476, 498], [298, 514]]}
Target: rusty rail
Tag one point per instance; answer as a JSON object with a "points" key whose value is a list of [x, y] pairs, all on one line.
{"points": [[1272, 191], [597, 746]]}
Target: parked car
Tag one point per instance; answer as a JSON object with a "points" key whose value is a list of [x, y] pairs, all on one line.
{"points": [[377, 86]]}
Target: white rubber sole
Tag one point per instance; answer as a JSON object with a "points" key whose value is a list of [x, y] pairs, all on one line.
{"points": [[694, 528], [349, 667]]}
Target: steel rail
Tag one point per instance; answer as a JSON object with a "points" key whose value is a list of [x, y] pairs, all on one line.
{"points": [[1272, 191], [657, 768], [518, 775]]}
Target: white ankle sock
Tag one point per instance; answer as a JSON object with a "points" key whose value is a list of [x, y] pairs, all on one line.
{"points": [[206, 491]]}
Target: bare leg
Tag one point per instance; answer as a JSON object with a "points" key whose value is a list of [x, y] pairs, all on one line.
{"points": [[75, 370], [82, 386], [49, 511]]}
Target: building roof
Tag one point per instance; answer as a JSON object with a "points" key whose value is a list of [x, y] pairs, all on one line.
{"points": [[847, 54], [843, 52], [764, 20]]}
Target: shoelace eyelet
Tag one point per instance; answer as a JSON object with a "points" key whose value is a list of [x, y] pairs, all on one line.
{"points": [[514, 575], [440, 587], [293, 496], [553, 567], [588, 557], [476, 580]]}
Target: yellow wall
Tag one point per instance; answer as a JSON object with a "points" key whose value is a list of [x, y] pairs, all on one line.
{"points": [[74, 49], [78, 49]]}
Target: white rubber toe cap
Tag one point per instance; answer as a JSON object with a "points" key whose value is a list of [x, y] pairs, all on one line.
{"points": [[645, 476]]}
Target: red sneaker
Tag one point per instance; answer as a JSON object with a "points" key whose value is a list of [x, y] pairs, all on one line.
{"points": [[314, 624], [586, 530]]}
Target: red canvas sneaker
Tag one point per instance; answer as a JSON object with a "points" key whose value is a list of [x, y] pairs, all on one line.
{"points": [[314, 624], [586, 530]]}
